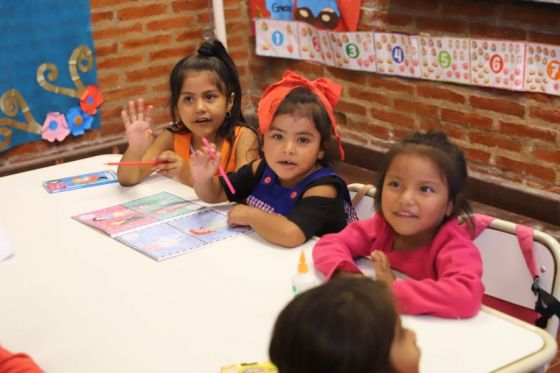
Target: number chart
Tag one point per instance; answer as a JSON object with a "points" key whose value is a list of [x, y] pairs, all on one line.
{"points": [[353, 50], [397, 54], [315, 45], [497, 63], [277, 38], [446, 59], [542, 68]]}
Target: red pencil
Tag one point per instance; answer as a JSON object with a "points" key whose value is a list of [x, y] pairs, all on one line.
{"points": [[141, 163]]}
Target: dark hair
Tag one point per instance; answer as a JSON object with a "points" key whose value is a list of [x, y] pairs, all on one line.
{"points": [[449, 159], [303, 102], [345, 325], [210, 56]]}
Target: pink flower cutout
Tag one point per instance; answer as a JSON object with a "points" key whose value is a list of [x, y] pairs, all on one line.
{"points": [[91, 99], [55, 127]]}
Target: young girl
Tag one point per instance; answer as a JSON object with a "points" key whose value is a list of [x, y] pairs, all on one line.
{"points": [[290, 195], [420, 193], [205, 103], [345, 325]]}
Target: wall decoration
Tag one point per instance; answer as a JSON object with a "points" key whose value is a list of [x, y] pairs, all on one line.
{"points": [[542, 68], [505, 64], [497, 63], [445, 59], [48, 53]]}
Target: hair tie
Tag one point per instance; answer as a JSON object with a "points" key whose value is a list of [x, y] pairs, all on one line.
{"points": [[326, 90]]}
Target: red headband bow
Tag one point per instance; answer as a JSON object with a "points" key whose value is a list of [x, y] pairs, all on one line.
{"points": [[326, 90]]}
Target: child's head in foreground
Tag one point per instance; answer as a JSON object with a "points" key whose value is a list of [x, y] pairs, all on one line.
{"points": [[346, 325], [422, 184]]}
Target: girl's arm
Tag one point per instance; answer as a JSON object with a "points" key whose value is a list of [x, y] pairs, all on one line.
{"points": [[247, 148], [276, 229], [203, 168], [17, 363], [336, 251], [132, 175], [458, 290]]}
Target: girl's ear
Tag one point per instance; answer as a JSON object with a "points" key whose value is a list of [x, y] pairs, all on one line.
{"points": [[321, 154], [231, 100]]}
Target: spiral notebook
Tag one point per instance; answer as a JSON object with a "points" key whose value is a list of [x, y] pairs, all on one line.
{"points": [[162, 225]]}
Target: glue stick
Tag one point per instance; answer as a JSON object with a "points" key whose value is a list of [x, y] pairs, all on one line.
{"points": [[303, 279]]}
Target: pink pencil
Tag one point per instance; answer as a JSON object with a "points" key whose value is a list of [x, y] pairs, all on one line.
{"points": [[220, 168], [141, 163]]}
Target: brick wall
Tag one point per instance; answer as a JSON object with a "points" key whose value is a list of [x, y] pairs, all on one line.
{"points": [[510, 137]]}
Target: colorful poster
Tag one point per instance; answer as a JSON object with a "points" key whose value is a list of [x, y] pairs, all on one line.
{"points": [[497, 63], [397, 54], [47, 61], [277, 38], [353, 50], [542, 68], [314, 45], [445, 59]]}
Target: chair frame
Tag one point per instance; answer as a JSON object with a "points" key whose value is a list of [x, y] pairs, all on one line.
{"points": [[358, 191]]}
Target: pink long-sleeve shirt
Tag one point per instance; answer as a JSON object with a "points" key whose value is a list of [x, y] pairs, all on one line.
{"points": [[443, 277]]}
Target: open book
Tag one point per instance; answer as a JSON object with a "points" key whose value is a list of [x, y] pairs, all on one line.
{"points": [[162, 225]]}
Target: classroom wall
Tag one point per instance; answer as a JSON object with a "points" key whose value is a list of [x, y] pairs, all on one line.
{"points": [[509, 137]]}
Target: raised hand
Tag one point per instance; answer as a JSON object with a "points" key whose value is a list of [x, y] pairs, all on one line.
{"points": [[203, 164], [138, 126]]}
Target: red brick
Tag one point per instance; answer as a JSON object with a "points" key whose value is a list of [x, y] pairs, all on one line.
{"points": [[147, 41], [435, 92], [451, 131], [421, 109], [125, 93], [141, 11], [379, 132], [394, 19], [170, 23], [147, 73], [547, 115], [469, 119], [469, 9], [174, 53], [497, 105], [477, 155], [442, 26], [548, 155], [368, 96], [101, 16], [118, 62], [105, 50], [422, 5], [493, 141], [116, 32], [530, 14], [545, 173], [392, 118], [498, 32], [350, 108], [108, 81], [183, 5], [93, 4], [392, 84], [527, 131], [543, 37]]}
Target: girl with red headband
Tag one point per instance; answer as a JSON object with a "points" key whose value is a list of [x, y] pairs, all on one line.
{"points": [[290, 195]]}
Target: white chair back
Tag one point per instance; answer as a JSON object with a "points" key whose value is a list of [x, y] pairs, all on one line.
{"points": [[362, 199], [505, 272]]}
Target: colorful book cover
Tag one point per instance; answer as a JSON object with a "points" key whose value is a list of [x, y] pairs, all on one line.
{"points": [[397, 54], [80, 181], [162, 225], [353, 50], [497, 63], [445, 59], [276, 38], [542, 68]]}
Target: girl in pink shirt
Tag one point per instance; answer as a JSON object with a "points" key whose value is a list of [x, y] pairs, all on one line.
{"points": [[420, 193]]}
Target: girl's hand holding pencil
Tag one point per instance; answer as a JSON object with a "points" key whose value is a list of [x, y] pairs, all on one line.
{"points": [[205, 162]]}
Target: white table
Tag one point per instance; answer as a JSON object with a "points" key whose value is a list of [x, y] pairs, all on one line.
{"points": [[78, 301]]}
